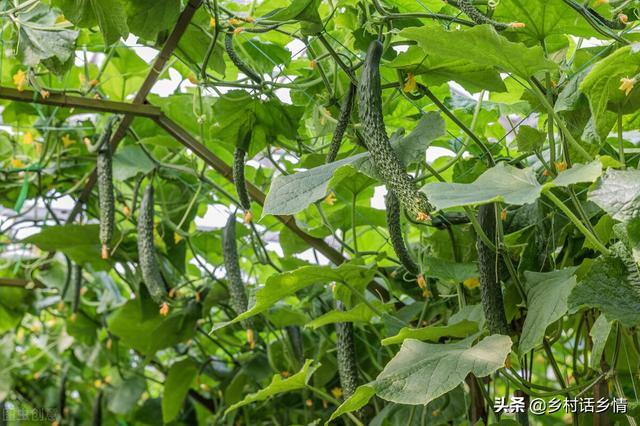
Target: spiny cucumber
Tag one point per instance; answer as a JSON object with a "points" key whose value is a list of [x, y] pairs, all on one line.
{"points": [[395, 234], [237, 291], [346, 353], [384, 158], [341, 126], [239, 63], [490, 289], [106, 198], [239, 155], [476, 16], [146, 249]]}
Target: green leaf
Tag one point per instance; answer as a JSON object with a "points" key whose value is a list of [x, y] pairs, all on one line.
{"points": [[279, 385], [433, 333], [290, 194], [611, 288], [285, 284], [547, 294], [80, 242], [618, 193], [530, 139], [451, 272], [13, 306], [359, 399], [421, 372], [147, 18], [179, 380], [483, 46], [435, 71], [506, 184], [599, 334], [110, 16], [359, 313], [602, 84], [53, 47], [129, 161]]}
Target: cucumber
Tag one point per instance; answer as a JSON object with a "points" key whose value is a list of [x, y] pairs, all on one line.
{"points": [[237, 293], [239, 63], [488, 263], [146, 249], [106, 199], [341, 126], [395, 234], [385, 160], [346, 354]]}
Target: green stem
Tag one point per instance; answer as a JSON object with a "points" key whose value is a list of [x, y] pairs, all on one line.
{"points": [[574, 219], [621, 141], [563, 128]]}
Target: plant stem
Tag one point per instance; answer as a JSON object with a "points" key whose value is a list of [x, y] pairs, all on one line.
{"points": [[573, 218]]}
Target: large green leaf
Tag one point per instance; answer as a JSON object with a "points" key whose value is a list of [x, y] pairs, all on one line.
{"points": [[148, 17], [125, 396], [291, 194], [612, 288], [599, 333], [450, 272], [421, 372], [179, 380], [483, 46], [285, 284], [38, 43], [507, 184], [129, 161], [433, 333], [279, 385], [618, 193], [79, 242], [435, 70], [547, 294], [109, 15], [602, 84]]}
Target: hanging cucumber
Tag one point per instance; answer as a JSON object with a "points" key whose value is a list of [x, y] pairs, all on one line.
{"points": [[384, 158], [395, 234], [237, 291], [77, 288], [106, 199], [239, 155], [488, 262], [146, 249], [346, 354], [96, 419], [239, 63], [467, 7], [341, 126]]}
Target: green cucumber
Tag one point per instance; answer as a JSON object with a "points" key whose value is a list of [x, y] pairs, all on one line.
{"points": [[341, 126], [385, 160], [146, 249], [395, 234]]}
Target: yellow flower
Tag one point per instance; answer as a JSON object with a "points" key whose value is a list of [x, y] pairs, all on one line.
{"points": [[212, 22], [97, 383], [251, 338], [337, 393], [422, 217], [561, 167], [422, 283], [471, 283], [248, 217], [309, 403], [177, 238], [503, 214], [17, 163], [411, 83], [20, 80], [235, 22], [66, 140], [164, 309], [331, 198], [623, 18], [27, 138], [626, 85]]}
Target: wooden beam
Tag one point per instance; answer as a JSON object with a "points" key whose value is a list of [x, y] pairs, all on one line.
{"points": [[89, 104]]}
